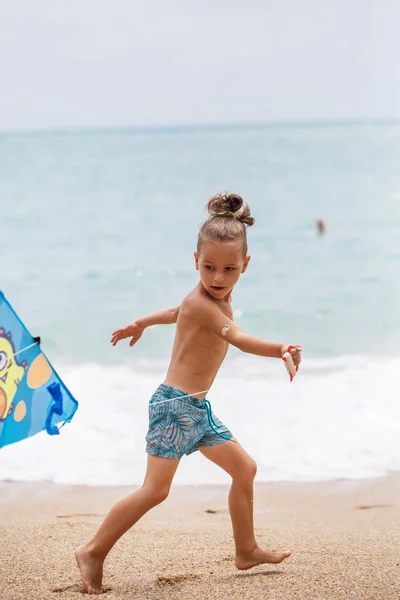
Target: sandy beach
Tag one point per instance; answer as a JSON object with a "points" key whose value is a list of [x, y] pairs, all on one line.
{"points": [[344, 536]]}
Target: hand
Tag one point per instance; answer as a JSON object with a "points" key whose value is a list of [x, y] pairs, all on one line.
{"points": [[295, 351], [134, 331]]}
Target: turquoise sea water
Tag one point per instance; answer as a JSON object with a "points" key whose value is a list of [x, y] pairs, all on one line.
{"points": [[99, 228]]}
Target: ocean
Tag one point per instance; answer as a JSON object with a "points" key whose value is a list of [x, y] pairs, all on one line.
{"points": [[99, 228]]}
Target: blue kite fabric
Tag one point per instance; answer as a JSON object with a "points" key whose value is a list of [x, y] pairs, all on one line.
{"points": [[32, 396]]}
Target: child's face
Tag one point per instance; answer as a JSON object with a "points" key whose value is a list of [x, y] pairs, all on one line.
{"points": [[220, 265]]}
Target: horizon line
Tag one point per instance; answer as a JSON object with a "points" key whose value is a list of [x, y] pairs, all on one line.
{"points": [[159, 128]]}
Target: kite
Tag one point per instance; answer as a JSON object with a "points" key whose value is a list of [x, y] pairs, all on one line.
{"points": [[32, 396]]}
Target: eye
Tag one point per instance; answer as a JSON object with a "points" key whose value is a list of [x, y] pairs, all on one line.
{"points": [[230, 269], [208, 267], [3, 360]]}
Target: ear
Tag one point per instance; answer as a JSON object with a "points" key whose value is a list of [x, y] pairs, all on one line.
{"points": [[196, 260], [246, 262]]}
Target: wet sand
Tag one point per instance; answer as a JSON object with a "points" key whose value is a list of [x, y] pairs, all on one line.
{"points": [[344, 535]]}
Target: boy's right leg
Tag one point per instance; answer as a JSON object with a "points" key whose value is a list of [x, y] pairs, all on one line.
{"points": [[155, 489]]}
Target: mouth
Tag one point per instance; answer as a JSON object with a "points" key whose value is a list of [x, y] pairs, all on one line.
{"points": [[217, 288]]}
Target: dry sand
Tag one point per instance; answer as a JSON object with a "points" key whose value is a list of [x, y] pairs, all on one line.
{"points": [[344, 536]]}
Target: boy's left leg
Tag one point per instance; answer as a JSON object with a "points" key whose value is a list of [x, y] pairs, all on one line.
{"points": [[242, 468]]}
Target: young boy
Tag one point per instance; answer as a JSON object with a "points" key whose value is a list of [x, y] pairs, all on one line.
{"points": [[181, 420]]}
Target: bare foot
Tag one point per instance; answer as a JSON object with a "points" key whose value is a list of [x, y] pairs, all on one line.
{"points": [[258, 557], [91, 569]]}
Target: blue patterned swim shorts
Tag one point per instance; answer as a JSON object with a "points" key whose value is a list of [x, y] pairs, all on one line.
{"points": [[181, 426]]}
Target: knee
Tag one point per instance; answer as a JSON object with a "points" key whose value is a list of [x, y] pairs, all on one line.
{"points": [[252, 469], [156, 495], [247, 471]]}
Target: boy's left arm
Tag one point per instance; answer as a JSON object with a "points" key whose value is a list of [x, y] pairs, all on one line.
{"points": [[208, 313]]}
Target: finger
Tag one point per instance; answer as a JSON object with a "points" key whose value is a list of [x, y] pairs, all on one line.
{"points": [[295, 350], [133, 341]]}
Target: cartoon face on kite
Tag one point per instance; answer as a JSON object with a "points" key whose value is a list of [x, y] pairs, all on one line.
{"points": [[11, 373], [32, 396]]}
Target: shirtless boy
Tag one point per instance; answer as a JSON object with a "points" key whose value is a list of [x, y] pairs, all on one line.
{"points": [[180, 418]]}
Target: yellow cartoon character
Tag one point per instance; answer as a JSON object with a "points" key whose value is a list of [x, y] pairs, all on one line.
{"points": [[11, 373]]}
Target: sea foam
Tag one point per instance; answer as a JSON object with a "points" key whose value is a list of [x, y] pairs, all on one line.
{"points": [[338, 419]]}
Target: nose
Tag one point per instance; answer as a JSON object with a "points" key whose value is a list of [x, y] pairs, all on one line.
{"points": [[219, 278]]}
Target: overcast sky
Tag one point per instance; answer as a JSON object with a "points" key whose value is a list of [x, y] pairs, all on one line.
{"points": [[104, 63]]}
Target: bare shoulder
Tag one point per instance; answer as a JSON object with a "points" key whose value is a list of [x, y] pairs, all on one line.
{"points": [[197, 305]]}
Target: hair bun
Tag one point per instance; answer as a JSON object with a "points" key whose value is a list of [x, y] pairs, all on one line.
{"points": [[230, 205], [224, 203], [233, 202]]}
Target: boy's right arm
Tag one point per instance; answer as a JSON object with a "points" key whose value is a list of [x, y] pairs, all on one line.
{"points": [[135, 330]]}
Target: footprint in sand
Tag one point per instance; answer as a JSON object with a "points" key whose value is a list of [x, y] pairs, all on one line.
{"points": [[79, 515], [174, 579], [77, 588], [368, 506], [226, 559]]}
